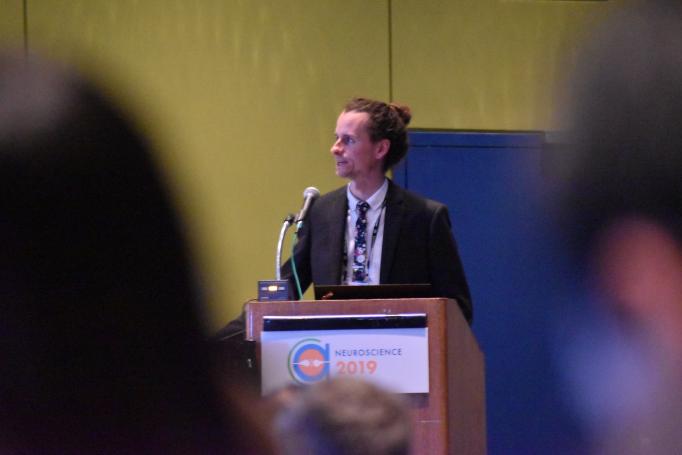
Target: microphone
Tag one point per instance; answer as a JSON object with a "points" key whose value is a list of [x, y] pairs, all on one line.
{"points": [[309, 195]]}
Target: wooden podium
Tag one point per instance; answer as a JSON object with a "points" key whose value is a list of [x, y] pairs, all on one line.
{"points": [[450, 419]]}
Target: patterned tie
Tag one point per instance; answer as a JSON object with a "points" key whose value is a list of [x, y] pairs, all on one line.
{"points": [[360, 251]]}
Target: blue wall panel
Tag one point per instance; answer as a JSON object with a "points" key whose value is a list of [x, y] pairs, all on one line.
{"points": [[490, 182]]}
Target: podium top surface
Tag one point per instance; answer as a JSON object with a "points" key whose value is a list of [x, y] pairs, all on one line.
{"points": [[344, 322], [372, 291]]}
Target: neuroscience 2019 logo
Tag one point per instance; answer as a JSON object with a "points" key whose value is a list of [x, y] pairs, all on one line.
{"points": [[309, 361]]}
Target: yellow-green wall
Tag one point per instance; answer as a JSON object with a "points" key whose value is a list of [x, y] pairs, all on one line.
{"points": [[486, 64], [241, 96], [11, 23]]}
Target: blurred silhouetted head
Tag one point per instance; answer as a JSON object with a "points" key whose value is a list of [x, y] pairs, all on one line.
{"points": [[101, 344], [621, 205], [343, 416]]}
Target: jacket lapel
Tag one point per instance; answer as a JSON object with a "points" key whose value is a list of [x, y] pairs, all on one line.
{"points": [[394, 217], [335, 224]]}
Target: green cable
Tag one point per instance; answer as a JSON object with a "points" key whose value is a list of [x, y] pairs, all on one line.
{"points": [[293, 263]]}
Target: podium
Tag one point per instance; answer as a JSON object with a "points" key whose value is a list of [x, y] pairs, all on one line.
{"points": [[451, 417]]}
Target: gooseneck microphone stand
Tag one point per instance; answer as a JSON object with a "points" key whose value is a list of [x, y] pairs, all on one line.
{"points": [[288, 221]]}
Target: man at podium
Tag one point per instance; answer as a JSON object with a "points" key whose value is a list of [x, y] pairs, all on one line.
{"points": [[371, 231]]}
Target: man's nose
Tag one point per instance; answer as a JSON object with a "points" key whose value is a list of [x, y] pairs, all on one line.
{"points": [[336, 147]]}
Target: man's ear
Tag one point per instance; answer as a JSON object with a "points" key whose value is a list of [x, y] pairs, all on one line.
{"points": [[639, 264], [381, 148]]}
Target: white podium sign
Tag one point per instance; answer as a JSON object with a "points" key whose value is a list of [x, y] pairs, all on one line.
{"points": [[394, 358]]}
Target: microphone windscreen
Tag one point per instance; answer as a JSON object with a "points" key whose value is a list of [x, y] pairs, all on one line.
{"points": [[311, 192]]}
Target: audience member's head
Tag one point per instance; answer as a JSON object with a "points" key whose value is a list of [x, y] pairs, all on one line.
{"points": [[342, 416], [622, 177], [622, 206], [102, 347]]}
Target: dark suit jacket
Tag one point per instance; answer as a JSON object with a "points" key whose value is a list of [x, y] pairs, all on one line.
{"points": [[418, 245]]}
